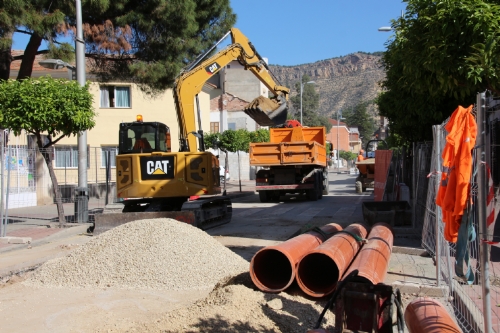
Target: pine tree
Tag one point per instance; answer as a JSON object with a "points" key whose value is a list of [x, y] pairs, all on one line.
{"points": [[142, 42]]}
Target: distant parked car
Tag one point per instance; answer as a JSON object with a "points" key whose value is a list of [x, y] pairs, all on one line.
{"points": [[223, 171]]}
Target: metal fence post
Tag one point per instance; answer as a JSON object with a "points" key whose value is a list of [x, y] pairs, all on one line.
{"points": [[481, 212], [437, 159], [3, 229]]}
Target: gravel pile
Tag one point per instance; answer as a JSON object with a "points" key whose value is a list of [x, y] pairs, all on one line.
{"points": [[147, 254], [240, 308]]}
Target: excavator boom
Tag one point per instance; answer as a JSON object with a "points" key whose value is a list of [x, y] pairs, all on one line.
{"points": [[265, 111]]}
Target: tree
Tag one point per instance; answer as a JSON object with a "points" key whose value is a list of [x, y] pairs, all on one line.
{"points": [[347, 155], [146, 42], [57, 108], [442, 54], [260, 135], [310, 104], [358, 116]]}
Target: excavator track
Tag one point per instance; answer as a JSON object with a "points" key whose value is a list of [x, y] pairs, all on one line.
{"points": [[210, 212], [203, 213]]}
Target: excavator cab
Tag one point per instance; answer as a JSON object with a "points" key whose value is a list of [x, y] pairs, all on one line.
{"points": [[143, 137]]}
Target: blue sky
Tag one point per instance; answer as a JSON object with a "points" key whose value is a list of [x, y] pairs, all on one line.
{"points": [[295, 32]]}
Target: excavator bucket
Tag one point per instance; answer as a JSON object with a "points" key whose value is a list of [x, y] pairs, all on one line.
{"points": [[267, 112]]}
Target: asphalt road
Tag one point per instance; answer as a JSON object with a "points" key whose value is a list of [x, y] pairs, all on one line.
{"points": [[255, 224]]}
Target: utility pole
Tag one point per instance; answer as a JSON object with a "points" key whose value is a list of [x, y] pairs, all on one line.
{"points": [[81, 196]]}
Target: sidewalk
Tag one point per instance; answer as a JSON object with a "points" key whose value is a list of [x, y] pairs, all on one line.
{"points": [[38, 224]]}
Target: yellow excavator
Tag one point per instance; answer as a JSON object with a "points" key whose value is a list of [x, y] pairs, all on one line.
{"points": [[152, 181]]}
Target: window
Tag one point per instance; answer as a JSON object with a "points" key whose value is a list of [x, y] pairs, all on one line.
{"points": [[67, 157], [214, 127], [231, 126], [115, 97], [112, 156]]}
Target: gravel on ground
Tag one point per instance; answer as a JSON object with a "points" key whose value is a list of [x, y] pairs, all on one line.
{"points": [[160, 254]]}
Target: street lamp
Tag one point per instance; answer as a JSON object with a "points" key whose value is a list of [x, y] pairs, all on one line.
{"points": [[385, 29], [81, 196], [58, 64], [301, 88], [388, 29], [338, 150]]}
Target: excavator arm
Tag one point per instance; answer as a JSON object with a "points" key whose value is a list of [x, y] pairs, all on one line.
{"points": [[190, 83]]}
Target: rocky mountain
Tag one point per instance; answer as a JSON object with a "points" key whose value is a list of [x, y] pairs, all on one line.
{"points": [[341, 82]]}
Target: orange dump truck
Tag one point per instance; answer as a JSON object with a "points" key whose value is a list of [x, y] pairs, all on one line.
{"points": [[294, 161]]}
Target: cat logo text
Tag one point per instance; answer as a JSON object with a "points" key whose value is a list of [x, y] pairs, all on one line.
{"points": [[157, 167]]}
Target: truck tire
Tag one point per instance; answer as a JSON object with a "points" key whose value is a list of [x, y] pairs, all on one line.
{"points": [[263, 196], [326, 184], [274, 196], [320, 181], [313, 194]]}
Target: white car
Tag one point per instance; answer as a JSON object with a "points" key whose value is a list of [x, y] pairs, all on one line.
{"points": [[223, 171]]}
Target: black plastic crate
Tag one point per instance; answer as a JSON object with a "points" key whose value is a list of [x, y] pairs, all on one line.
{"points": [[395, 213]]}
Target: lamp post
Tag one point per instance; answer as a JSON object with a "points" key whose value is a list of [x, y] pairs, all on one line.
{"points": [[58, 64], [388, 29], [385, 29], [338, 128], [81, 195], [301, 88]]}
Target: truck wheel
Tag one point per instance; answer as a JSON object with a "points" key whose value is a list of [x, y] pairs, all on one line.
{"points": [[359, 187], [313, 194], [326, 184], [263, 196], [319, 177]]}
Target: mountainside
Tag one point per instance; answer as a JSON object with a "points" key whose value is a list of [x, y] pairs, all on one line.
{"points": [[341, 82]]}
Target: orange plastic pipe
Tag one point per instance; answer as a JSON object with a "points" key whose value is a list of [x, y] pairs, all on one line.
{"points": [[272, 268], [373, 258], [426, 315], [319, 270]]}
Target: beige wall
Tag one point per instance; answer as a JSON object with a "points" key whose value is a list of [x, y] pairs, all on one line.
{"points": [[160, 108], [105, 133]]}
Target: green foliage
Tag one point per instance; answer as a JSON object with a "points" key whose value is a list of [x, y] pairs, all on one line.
{"points": [[46, 106], [310, 105], [261, 135], [358, 117], [144, 42], [347, 155], [164, 36], [442, 54], [212, 140], [234, 141]]}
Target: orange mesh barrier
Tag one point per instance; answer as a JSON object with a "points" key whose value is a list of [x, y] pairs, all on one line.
{"points": [[382, 163]]}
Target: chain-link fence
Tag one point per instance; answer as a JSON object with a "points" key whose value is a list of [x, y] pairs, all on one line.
{"points": [[476, 303], [28, 183]]}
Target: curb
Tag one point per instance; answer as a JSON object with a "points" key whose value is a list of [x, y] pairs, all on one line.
{"points": [[78, 228], [420, 289], [410, 250]]}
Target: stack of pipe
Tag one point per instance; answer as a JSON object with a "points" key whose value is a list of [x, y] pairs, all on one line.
{"points": [[426, 315], [373, 258], [319, 271], [273, 268]]}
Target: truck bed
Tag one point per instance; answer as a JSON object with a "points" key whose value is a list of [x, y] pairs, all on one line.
{"points": [[287, 153], [291, 146]]}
